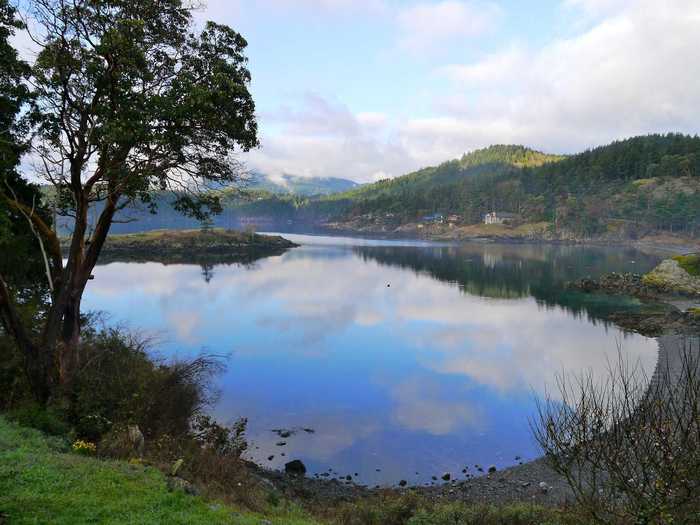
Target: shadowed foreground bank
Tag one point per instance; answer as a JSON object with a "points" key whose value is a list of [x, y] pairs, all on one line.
{"points": [[43, 481]]}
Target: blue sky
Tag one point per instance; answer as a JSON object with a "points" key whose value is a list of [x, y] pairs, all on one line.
{"points": [[367, 89]]}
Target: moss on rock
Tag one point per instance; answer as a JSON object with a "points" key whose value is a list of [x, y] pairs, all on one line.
{"points": [[672, 277], [690, 263]]}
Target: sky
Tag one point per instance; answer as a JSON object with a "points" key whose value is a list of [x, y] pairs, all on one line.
{"points": [[369, 89]]}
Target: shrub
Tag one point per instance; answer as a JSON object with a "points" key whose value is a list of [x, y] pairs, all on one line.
{"points": [[412, 509], [121, 382], [629, 445], [225, 441], [48, 420], [13, 380], [383, 510], [514, 514]]}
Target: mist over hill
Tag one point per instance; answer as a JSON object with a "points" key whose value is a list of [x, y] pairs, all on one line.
{"points": [[297, 185]]}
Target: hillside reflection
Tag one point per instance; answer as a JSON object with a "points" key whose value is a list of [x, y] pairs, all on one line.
{"points": [[502, 271]]}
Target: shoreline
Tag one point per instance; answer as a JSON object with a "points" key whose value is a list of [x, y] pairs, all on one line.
{"points": [[654, 244], [533, 481]]}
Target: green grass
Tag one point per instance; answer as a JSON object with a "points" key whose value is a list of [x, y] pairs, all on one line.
{"points": [[690, 263], [42, 482]]}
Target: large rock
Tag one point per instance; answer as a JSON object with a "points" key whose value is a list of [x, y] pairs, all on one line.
{"points": [[670, 277], [136, 439], [295, 467]]}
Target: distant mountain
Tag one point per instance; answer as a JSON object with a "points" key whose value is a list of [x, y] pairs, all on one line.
{"points": [[301, 186]]}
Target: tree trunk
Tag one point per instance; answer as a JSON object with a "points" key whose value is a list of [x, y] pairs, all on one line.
{"points": [[37, 365], [54, 356], [69, 351]]}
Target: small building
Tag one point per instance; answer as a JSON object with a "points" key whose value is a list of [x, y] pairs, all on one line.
{"points": [[499, 217], [435, 217]]}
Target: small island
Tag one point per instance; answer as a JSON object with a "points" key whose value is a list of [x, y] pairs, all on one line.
{"points": [[216, 245]]}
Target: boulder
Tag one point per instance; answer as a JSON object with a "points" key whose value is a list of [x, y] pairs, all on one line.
{"points": [[295, 467], [672, 276], [136, 439]]}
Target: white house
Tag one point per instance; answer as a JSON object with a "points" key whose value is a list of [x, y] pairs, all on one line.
{"points": [[499, 217]]}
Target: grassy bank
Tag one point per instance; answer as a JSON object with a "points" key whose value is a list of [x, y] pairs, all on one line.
{"points": [[41, 481]]}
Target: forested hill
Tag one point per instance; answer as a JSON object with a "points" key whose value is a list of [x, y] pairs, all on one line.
{"points": [[643, 183], [494, 160]]}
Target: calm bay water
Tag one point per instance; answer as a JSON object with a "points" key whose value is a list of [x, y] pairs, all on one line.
{"points": [[407, 360]]}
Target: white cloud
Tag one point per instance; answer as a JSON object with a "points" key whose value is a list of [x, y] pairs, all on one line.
{"points": [[630, 73], [426, 25], [494, 68], [598, 7], [421, 405], [324, 138]]}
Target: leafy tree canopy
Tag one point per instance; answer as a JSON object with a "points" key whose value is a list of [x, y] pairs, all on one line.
{"points": [[129, 100]]}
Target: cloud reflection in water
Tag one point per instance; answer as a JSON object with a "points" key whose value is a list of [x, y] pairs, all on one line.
{"points": [[389, 360]]}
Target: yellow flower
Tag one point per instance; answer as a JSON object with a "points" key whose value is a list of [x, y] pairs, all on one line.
{"points": [[84, 447]]}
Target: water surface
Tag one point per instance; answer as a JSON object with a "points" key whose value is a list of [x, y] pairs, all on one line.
{"points": [[406, 360]]}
